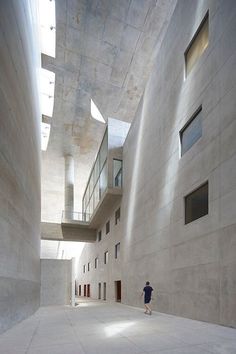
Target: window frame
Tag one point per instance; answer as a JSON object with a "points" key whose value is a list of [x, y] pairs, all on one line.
{"points": [[186, 220], [106, 257], [107, 227], [187, 125], [117, 216], [117, 250], [186, 71], [99, 235]]}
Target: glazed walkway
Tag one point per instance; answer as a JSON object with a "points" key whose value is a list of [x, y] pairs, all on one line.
{"points": [[103, 328]]}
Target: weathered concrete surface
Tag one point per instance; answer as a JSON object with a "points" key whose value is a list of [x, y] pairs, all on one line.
{"points": [[67, 232], [19, 163], [105, 52], [55, 282], [191, 267]]}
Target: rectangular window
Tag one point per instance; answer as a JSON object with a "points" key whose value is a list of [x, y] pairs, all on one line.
{"points": [[107, 227], [117, 173], [117, 250], [196, 204], [96, 263], [106, 257], [117, 216], [88, 266], [191, 132], [197, 45], [84, 268], [99, 236]]}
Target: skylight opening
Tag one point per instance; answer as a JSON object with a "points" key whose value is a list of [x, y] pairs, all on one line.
{"points": [[48, 27], [95, 113], [45, 133], [47, 87]]}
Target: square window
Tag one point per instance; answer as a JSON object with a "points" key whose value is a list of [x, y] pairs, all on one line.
{"points": [[117, 250], [196, 204], [191, 132], [117, 216], [106, 257], [107, 227], [197, 45]]}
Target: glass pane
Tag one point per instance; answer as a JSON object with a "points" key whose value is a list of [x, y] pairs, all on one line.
{"points": [[196, 204], [103, 180], [198, 45], [96, 171], [191, 133], [103, 152], [117, 173], [96, 195]]}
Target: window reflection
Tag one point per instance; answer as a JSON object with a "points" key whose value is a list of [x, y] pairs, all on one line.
{"points": [[117, 173]]}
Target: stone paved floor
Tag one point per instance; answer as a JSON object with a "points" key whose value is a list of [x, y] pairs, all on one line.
{"points": [[103, 328]]}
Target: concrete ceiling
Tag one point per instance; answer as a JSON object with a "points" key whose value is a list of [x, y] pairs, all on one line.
{"points": [[104, 51]]}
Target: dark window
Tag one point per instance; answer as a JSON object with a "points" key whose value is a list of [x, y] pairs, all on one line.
{"points": [[117, 173], [197, 45], [117, 216], [117, 250], [191, 132], [99, 236], [106, 257], [107, 227], [88, 267], [84, 267], [196, 204], [96, 263]]}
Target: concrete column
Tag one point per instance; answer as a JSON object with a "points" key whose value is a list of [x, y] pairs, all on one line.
{"points": [[69, 186]]}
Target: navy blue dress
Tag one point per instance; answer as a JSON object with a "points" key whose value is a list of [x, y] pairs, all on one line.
{"points": [[147, 293]]}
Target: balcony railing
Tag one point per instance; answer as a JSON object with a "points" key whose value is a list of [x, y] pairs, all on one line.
{"points": [[74, 216]]}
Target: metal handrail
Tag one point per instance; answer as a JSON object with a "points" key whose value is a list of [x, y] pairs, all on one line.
{"points": [[68, 215]]}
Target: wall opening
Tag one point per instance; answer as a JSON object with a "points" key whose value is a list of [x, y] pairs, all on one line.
{"points": [[104, 291], [118, 290]]}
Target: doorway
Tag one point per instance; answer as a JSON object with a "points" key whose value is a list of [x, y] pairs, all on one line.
{"points": [[79, 290], [85, 292], [99, 291], [104, 291], [88, 290], [118, 290]]}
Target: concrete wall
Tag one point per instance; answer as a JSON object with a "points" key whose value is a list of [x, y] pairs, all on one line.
{"points": [[55, 282], [191, 267], [19, 163], [105, 273]]}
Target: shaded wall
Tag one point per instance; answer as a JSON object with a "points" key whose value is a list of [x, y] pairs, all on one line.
{"points": [[55, 282], [19, 163]]}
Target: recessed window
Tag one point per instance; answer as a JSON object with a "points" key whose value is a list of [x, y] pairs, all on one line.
{"points": [[96, 263], [191, 132], [88, 266], [84, 268], [107, 227], [196, 204], [117, 216], [106, 257], [117, 173], [117, 250], [99, 236], [197, 45]]}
